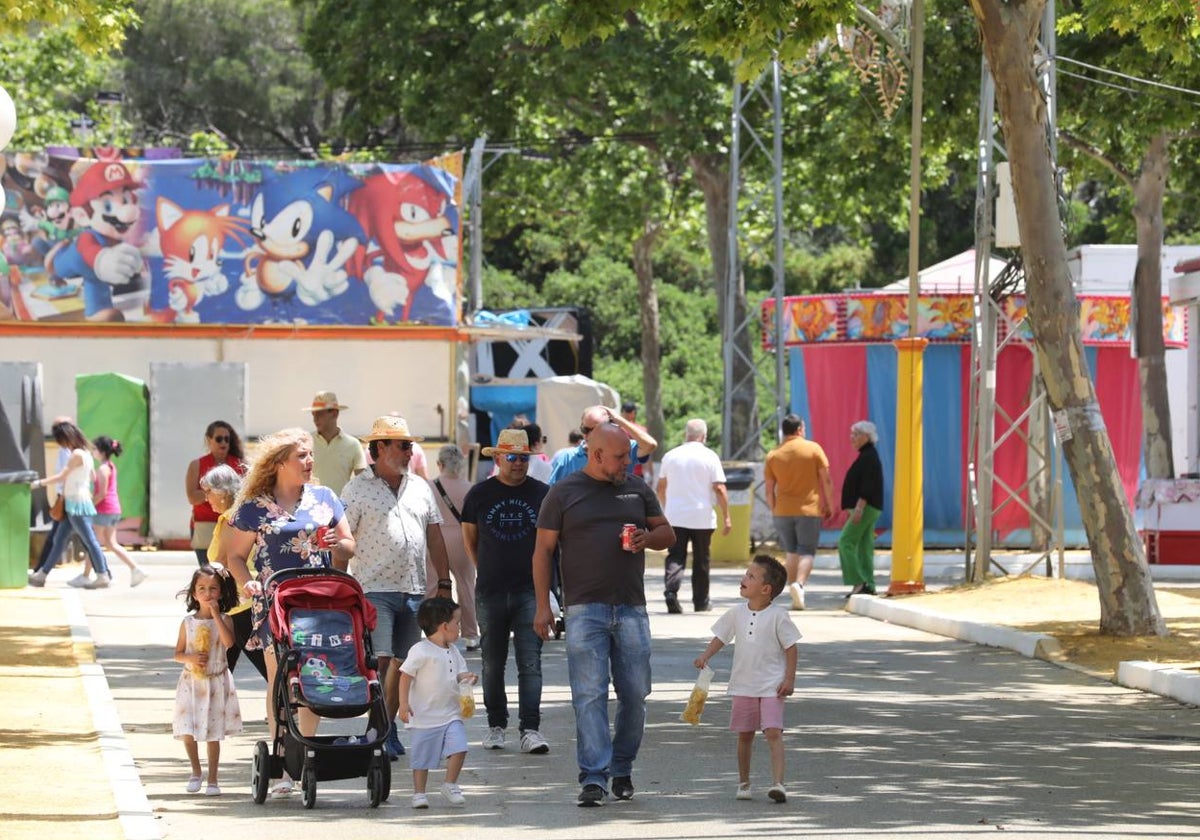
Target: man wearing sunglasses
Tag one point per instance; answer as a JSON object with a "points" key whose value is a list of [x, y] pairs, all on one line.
{"points": [[395, 520], [499, 526], [568, 461]]}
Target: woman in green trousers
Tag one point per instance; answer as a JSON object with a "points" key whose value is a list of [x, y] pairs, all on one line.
{"points": [[862, 496]]}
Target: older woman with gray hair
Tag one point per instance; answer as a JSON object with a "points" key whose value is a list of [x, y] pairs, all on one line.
{"points": [[862, 496], [449, 490]]}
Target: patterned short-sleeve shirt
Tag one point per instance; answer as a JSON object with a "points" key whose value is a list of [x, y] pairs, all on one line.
{"points": [[389, 531]]}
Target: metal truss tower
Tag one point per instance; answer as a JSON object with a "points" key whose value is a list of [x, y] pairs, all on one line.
{"points": [[755, 151], [995, 329]]}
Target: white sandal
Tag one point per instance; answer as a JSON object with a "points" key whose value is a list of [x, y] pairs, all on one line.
{"points": [[281, 789]]}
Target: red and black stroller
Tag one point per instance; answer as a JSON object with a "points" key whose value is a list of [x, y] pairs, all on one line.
{"points": [[319, 621]]}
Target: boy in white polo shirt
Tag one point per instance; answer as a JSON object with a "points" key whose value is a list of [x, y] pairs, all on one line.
{"points": [[764, 667]]}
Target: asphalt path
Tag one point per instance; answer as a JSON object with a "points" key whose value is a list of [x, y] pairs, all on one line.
{"points": [[892, 732]]}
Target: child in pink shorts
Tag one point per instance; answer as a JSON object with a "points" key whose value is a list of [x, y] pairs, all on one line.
{"points": [[764, 667]]}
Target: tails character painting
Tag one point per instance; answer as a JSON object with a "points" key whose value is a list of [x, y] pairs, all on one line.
{"points": [[191, 242]]}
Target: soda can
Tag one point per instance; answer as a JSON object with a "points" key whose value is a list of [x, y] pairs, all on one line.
{"points": [[627, 536]]}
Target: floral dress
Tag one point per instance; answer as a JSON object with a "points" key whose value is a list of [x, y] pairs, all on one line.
{"points": [[206, 702], [285, 540]]}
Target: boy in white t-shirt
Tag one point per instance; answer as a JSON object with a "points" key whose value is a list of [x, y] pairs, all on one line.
{"points": [[764, 667], [429, 700]]}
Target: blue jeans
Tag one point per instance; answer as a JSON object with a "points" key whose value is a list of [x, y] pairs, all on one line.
{"points": [[600, 636], [81, 525], [502, 614]]}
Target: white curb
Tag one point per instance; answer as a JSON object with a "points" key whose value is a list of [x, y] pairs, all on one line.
{"points": [[133, 807], [1167, 680], [1033, 645]]}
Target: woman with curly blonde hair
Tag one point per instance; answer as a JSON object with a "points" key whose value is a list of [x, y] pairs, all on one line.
{"points": [[290, 523]]}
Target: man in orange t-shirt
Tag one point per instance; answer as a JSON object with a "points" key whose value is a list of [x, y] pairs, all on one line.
{"points": [[800, 493]]}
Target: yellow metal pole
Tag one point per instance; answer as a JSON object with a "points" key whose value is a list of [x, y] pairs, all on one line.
{"points": [[908, 486], [908, 489]]}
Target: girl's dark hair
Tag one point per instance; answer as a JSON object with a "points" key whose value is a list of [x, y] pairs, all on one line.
{"points": [[235, 442], [433, 613], [108, 447], [67, 434], [229, 592]]}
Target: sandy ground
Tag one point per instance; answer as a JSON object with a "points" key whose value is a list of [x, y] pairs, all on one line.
{"points": [[51, 742], [1069, 610]]}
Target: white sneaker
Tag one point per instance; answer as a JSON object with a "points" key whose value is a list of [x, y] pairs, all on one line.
{"points": [[420, 801], [777, 793], [37, 579], [101, 581], [136, 576], [494, 739], [797, 592], [743, 791], [453, 794], [472, 642], [79, 581], [533, 742]]}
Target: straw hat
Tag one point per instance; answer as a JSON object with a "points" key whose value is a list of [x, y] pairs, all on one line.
{"points": [[390, 427], [512, 441], [324, 401]]}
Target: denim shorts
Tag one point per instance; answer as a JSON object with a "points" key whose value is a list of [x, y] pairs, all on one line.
{"points": [[105, 520], [428, 747], [396, 627], [799, 534]]}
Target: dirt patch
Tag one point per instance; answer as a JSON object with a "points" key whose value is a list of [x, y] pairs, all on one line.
{"points": [[1069, 611]]}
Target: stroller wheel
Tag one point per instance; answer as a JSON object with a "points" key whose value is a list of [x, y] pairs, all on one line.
{"points": [[260, 776], [374, 786], [308, 786], [386, 770]]}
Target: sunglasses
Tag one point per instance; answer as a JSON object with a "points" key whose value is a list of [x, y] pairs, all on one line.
{"points": [[404, 444], [221, 438], [513, 459], [587, 430]]}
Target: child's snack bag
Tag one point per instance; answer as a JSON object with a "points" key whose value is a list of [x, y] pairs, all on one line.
{"points": [[695, 704], [203, 642], [466, 699]]}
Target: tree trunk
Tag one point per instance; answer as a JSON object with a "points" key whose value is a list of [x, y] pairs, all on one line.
{"points": [[1127, 603], [712, 174], [1148, 192], [643, 267]]}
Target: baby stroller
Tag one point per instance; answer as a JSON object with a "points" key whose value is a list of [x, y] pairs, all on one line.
{"points": [[319, 620]]}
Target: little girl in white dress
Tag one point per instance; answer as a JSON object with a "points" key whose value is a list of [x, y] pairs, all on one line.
{"points": [[206, 703]]}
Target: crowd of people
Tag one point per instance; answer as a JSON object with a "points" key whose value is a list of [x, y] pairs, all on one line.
{"points": [[522, 555]]}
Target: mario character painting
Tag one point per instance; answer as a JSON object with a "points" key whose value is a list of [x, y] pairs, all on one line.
{"points": [[410, 218], [104, 255], [305, 237]]}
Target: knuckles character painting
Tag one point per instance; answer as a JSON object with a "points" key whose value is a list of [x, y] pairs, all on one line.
{"points": [[224, 241]]}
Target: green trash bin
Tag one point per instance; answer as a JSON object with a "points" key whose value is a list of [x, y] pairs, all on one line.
{"points": [[14, 528], [734, 547]]}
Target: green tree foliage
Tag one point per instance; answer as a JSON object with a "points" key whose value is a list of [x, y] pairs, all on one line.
{"points": [[95, 26], [232, 69], [52, 82]]}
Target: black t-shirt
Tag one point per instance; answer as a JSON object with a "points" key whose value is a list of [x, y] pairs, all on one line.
{"points": [[506, 518], [588, 514]]}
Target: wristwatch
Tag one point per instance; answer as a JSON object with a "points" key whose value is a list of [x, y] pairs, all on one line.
{"points": [[445, 583]]}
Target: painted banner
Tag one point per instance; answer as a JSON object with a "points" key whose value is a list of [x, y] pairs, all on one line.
{"points": [[867, 318], [225, 241]]}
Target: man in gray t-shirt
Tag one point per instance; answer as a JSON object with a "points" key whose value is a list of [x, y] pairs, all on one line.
{"points": [[605, 602]]}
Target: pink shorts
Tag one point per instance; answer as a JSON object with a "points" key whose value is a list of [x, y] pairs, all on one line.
{"points": [[754, 714]]}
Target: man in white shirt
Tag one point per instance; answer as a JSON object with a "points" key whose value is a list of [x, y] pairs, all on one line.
{"points": [[691, 481], [394, 519], [337, 456]]}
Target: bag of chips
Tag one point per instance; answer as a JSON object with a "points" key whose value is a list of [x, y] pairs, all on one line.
{"points": [[695, 704]]}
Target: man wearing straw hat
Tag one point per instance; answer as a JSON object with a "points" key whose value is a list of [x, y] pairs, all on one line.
{"points": [[337, 456], [394, 519], [499, 525]]}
